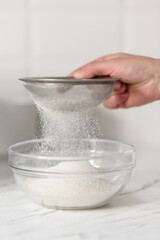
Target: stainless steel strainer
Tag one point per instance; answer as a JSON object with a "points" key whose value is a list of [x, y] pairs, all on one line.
{"points": [[68, 94]]}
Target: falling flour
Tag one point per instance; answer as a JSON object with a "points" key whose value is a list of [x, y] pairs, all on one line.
{"points": [[79, 183]]}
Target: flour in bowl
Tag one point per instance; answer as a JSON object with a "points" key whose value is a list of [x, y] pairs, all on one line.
{"points": [[69, 184], [82, 187]]}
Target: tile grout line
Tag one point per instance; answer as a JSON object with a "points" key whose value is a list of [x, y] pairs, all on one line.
{"points": [[122, 25], [28, 38]]}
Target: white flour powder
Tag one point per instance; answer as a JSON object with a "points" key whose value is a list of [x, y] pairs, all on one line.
{"points": [[71, 193], [83, 186], [80, 190]]}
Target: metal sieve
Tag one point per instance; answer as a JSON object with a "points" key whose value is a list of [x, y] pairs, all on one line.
{"points": [[68, 94]]}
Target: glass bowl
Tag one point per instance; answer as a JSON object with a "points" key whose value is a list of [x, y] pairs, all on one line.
{"points": [[73, 177]]}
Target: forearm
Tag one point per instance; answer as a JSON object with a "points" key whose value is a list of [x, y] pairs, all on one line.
{"points": [[157, 77]]}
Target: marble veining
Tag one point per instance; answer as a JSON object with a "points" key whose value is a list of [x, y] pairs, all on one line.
{"points": [[135, 214]]}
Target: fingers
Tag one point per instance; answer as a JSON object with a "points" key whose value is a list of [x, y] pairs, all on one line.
{"points": [[118, 96], [120, 87], [63, 89], [116, 100], [93, 69], [107, 57], [79, 72], [72, 74]]}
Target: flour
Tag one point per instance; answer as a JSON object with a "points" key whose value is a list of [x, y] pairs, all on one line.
{"points": [[70, 183], [72, 192], [58, 126], [83, 187]]}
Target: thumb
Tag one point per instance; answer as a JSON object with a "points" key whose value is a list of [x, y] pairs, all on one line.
{"points": [[93, 69]]}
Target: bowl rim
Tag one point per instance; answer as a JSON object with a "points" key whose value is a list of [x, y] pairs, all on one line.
{"points": [[11, 150], [127, 164]]}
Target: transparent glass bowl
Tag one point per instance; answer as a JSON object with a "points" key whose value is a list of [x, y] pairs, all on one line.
{"points": [[73, 177]]}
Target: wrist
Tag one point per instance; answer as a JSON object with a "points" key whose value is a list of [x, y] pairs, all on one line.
{"points": [[157, 77]]}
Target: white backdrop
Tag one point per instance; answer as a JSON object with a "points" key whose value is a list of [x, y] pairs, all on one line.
{"points": [[52, 37]]}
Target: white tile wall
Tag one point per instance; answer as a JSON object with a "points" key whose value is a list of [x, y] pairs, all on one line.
{"points": [[12, 33], [66, 35], [142, 32], [16, 111], [11, 5], [73, 5], [52, 37], [17, 123], [143, 5]]}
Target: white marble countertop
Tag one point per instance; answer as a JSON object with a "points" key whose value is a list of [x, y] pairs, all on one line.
{"points": [[133, 215]]}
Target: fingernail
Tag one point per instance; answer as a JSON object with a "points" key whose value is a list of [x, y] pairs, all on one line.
{"points": [[79, 73]]}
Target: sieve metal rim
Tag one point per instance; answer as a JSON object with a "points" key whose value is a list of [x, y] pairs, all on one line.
{"points": [[74, 81]]}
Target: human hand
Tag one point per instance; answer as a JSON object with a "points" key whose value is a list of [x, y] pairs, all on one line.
{"points": [[140, 78]]}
